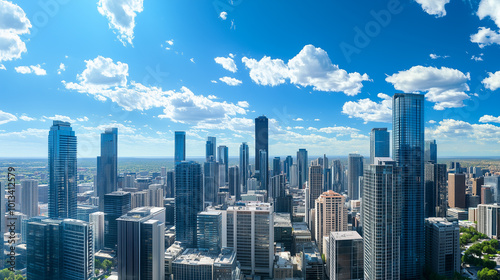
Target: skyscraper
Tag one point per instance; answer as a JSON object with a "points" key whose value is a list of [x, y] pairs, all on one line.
{"points": [[107, 171], [62, 171], [188, 201], [141, 244], [430, 151], [286, 167], [337, 176], [211, 149], [355, 170], [29, 198], [315, 185], [331, 215], [442, 246], [408, 152], [116, 204], [379, 143], [382, 217], [209, 231], [244, 169], [211, 181], [223, 158], [345, 255], [276, 166], [436, 190], [261, 141], [456, 190], [234, 182], [263, 175], [180, 146], [302, 167], [96, 219]]}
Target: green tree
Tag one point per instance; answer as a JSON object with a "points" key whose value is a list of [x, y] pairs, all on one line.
{"points": [[488, 274]]}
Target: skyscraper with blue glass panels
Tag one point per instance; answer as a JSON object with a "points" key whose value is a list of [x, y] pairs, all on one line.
{"points": [[107, 171], [180, 146], [408, 152], [379, 143]]}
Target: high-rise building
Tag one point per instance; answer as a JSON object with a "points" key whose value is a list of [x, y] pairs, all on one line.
{"points": [[488, 220], [29, 198], [170, 184], [59, 249], [456, 190], [188, 201], [430, 151], [493, 181], [141, 244], [234, 182], [355, 170], [337, 176], [408, 152], [286, 167], [436, 190], [211, 149], [2, 209], [315, 185], [62, 171], [244, 168], [211, 181], [302, 167], [223, 159], [477, 183], [330, 215], [96, 219], [249, 231], [276, 166], [264, 170], [180, 146], [379, 143], [294, 176], [107, 170], [209, 231], [442, 246], [345, 254], [261, 142], [382, 217], [116, 204]]}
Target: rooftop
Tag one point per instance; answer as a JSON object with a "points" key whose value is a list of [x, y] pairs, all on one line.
{"points": [[345, 235], [193, 256], [282, 220]]}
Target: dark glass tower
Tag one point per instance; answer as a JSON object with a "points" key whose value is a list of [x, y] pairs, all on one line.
{"points": [[302, 166], [223, 157], [408, 152], [286, 167], [188, 201], [107, 165], [180, 146], [261, 140], [116, 204], [379, 143], [354, 171], [276, 166], [430, 151], [62, 171], [244, 162], [264, 179], [211, 149]]}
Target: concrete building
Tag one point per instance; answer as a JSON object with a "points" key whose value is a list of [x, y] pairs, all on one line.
{"points": [[346, 255], [488, 219], [330, 215], [442, 246], [283, 267], [96, 219], [29, 198]]}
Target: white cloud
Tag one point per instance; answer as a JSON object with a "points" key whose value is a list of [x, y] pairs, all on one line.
{"points": [[485, 36], [227, 63], [170, 42], [192, 60], [370, 111], [457, 130], [477, 58], [121, 15], [61, 69], [230, 81], [432, 121], [26, 118], [493, 81], [35, 69], [338, 130], [213, 81], [243, 104], [310, 67], [298, 127], [489, 119], [316, 120], [434, 7], [223, 15], [2, 67], [445, 86], [13, 22], [6, 117], [103, 79], [489, 8], [298, 119], [27, 133], [59, 118], [435, 56], [212, 96], [84, 119]]}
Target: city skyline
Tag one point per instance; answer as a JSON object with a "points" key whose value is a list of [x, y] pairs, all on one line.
{"points": [[325, 91]]}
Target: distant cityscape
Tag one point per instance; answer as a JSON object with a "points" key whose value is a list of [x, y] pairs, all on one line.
{"points": [[399, 216]]}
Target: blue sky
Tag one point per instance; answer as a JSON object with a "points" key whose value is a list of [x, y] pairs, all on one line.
{"points": [[323, 72]]}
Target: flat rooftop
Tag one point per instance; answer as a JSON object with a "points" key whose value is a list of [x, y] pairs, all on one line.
{"points": [[345, 235]]}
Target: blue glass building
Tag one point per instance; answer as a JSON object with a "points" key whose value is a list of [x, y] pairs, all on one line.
{"points": [[354, 171], [188, 201], [264, 171], [276, 166], [180, 146], [244, 162], [62, 171], [116, 204], [223, 158], [286, 166], [211, 147], [209, 231], [302, 166], [107, 165], [261, 141], [430, 151], [408, 152], [379, 143]]}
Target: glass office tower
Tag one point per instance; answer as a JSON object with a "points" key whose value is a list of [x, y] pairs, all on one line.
{"points": [[211, 149], [408, 152], [244, 162], [180, 146], [379, 143], [302, 166], [107, 171], [261, 140], [62, 171], [430, 151]]}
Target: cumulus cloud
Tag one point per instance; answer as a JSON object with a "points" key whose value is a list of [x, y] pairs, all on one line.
{"points": [[32, 69], [121, 16], [6, 117], [338, 130], [489, 8], [316, 120], [61, 69], [493, 81], [435, 56], [59, 118], [13, 22], [489, 119], [227, 63], [444, 86], [298, 119], [223, 15], [485, 36], [26, 118], [310, 67], [456, 129], [104, 79], [2, 67], [230, 81], [370, 111], [434, 7]]}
